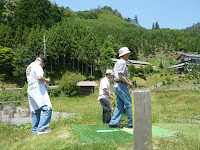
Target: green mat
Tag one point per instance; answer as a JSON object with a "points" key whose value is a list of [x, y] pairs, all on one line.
{"points": [[104, 134], [156, 131], [89, 134]]}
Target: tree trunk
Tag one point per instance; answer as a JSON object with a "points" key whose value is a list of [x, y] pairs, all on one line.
{"points": [[91, 68], [82, 68]]}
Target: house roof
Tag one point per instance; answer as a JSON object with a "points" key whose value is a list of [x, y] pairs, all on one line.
{"points": [[189, 55], [177, 66], [87, 83]]}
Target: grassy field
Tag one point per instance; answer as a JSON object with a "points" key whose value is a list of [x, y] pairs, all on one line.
{"points": [[175, 110]]}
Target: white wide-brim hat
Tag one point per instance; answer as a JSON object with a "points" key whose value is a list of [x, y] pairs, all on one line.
{"points": [[123, 51]]}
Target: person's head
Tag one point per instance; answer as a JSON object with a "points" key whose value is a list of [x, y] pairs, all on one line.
{"points": [[109, 74], [41, 61], [124, 53]]}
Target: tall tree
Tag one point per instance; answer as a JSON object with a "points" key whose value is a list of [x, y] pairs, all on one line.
{"points": [[135, 20], [157, 25], [6, 56], [2, 9], [9, 9], [36, 12], [153, 26]]}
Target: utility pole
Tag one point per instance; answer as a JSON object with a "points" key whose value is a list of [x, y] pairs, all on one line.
{"points": [[44, 52]]}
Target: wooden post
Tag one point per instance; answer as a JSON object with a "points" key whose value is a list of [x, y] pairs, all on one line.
{"points": [[142, 125]]}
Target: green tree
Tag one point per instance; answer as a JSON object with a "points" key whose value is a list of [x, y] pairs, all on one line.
{"points": [[6, 57], [157, 25], [9, 9], [106, 53], [161, 65], [135, 20], [2, 9], [153, 26], [36, 12]]}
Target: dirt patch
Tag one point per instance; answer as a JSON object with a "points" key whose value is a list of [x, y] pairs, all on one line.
{"points": [[64, 135]]}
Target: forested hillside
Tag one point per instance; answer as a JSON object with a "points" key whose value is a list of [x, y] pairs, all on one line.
{"points": [[85, 40], [195, 28]]}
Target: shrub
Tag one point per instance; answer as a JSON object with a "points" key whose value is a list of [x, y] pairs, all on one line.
{"points": [[68, 84], [24, 89], [90, 78], [54, 92], [149, 69], [131, 70], [11, 96]]}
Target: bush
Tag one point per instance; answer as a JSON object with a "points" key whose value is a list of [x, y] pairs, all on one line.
{"points": [[54, 92], [163, 82], [11, 96], [68, 84], [149, 69], [90, 78], [24, 89], [131, 70]]}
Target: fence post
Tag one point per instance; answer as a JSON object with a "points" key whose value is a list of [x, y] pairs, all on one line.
{"points": [[142, 124]]}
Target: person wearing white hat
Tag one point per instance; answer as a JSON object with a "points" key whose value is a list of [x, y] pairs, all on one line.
{"points": [[121, 86], [104, 96], [38, 96]]}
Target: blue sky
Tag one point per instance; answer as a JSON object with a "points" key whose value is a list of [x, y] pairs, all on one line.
{"points": [[173, 14]]}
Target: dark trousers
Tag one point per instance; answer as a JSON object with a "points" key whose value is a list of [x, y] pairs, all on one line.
{"points": [[106, 110]]}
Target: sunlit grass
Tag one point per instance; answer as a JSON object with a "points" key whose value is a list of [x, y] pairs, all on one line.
{"points": [[175, 110]]}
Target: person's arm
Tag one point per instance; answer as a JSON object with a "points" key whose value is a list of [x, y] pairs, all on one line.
{"points": [[125, 80], [107, 93], [42, 79]]}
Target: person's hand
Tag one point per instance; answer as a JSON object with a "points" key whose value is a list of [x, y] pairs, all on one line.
{"points": [[48, 80], [130, 85], [110, 96]]}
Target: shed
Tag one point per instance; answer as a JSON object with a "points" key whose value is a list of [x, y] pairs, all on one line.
{"points": [[87, 87]]}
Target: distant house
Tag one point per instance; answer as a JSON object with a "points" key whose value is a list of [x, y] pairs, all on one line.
{"points": [[136, 63], [87, 87], [186, 59]]}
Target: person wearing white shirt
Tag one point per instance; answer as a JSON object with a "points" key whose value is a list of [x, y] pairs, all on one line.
{"points": [[104, 96], [38, 96]]}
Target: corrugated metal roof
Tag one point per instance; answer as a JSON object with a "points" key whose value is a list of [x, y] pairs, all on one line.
{"points": [[176, 66], [87, 83], [189, 55]]}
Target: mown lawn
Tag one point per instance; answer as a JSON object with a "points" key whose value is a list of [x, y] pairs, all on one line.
{"points": [[175, 110]]}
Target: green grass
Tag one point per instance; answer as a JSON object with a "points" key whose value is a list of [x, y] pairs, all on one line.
{"points": [[152, 79], [174, 110]]}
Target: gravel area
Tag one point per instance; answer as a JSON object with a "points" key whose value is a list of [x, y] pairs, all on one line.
{"points": [[19, 120]]}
